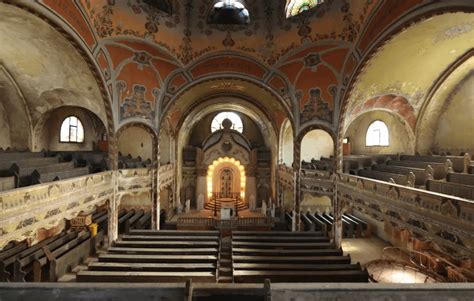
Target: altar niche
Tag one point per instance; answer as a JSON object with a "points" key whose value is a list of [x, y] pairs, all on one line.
{"points": [[226, 179]]}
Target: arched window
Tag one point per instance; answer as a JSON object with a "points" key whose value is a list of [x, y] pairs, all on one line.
{"points": [[296, 7], [229, 12], [233, 117], [71, 130], [377, 134]]}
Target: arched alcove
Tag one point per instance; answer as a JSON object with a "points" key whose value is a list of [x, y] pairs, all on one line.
{"points": [[47, 131], [286, 144], [401, 137], [316, 144], [136, 141]]}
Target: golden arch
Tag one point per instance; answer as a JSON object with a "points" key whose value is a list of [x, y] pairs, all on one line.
{"points": [[223, 160]]}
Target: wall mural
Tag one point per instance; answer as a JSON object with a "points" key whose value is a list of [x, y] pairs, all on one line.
{"points": [[137, 105], [321, 64], [334, 20]]}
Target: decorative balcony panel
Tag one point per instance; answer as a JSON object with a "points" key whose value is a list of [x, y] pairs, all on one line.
{"points": [[445, 220], [25, 210], [166, 175], [134, 181]]}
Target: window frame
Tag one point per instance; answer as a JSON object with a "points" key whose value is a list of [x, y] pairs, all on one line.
{"points": [[380, 138], [79, 123], [233, 123]]}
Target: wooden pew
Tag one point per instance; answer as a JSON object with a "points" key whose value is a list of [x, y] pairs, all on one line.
{"points": [[144, 222], [301, 276], [459, 163], [308, 224], [141, 277], [440, 170], [7, 183], [456, 189], [13, 266], [49, 269], [366, 228], [420, 174], [12, 156], [150, 255], [319, 224], [388, 177], [38, 178], [465, 179], [132, 220], [28, 162]]}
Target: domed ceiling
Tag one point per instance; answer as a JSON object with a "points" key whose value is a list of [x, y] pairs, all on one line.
{"points": [[148, 57]]}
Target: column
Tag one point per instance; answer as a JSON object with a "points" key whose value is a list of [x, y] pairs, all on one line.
{"points": [[155, 192], [112, 225], [296, 183], [337, 207]]}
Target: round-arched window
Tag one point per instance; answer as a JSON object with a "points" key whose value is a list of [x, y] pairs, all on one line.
{"points": [[72, 130], [377, 134], [233, 117]]}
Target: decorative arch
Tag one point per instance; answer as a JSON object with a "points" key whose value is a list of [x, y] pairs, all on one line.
{"points": [[214, 167], [80, 45], [397, 26], [285, 144]]}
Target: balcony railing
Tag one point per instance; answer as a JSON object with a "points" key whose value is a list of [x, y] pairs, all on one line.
{"points": [[25, 210], [444, 219]]}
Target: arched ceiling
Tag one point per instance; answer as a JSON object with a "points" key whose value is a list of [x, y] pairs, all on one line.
{"points": [[410, 63], [48, 71], [255, 95], [269, 36]]}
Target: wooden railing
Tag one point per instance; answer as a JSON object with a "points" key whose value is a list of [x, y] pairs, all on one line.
{"points": [[24, 211], [189, 223], [443, 219]]}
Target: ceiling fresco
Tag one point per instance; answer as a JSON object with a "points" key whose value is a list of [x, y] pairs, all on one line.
{"points": [[148, 57], [404, 66], [269, 36]]}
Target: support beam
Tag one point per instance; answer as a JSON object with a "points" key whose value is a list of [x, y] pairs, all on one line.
{"points": [[297, 184], [337, 224], [112, 225], [155, 193]]}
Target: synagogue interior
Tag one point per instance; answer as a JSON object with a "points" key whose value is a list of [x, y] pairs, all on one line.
{"points": [[236, 150]]}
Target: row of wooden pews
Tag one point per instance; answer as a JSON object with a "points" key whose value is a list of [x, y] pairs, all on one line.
{"points": [[49, 259], [53, 257], [450, 175], [157, 256], [352, 226], [96, 161], [24, 168], [324, 163], [127, 162], [290, 257]]}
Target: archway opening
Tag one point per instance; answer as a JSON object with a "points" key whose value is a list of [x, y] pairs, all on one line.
{"points": [[317, 144], [226, 179]]}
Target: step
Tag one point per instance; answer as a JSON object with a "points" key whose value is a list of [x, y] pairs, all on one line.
{"points": [[225, 279]]}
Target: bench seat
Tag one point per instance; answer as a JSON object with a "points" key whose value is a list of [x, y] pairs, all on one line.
{"points": [[292, 259], [298, 245], [156, 258], [157, 251], [165, 244], [136, 266], [117, 276], [301, 276]]}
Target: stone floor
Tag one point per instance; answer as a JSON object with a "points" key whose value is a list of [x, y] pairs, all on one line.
{"points": [[363, 250]]}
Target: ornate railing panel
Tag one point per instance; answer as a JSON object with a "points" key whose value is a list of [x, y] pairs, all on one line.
{"points": [[134, 181], [445, 220], [25, 210], [166, 175], [285, 175]]}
